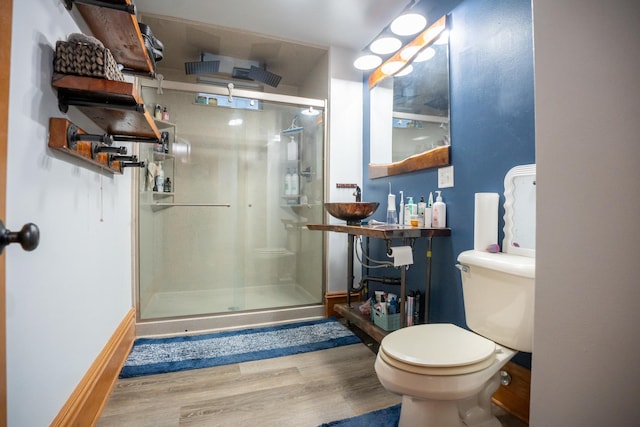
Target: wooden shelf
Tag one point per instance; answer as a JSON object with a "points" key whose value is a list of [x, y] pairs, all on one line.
{"points": [[353, 315], [58, 141], [119, 32], [114, 106], [383, 231]]}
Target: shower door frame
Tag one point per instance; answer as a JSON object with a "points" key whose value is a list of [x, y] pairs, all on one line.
{"points": [[218, 321]]}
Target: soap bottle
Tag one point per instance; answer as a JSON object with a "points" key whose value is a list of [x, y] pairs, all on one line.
{"points": [[408, 210], [439, 212], [165, 115], [158, 112], [167, 185]]}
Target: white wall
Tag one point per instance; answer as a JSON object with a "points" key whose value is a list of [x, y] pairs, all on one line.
{"points": [[344, 156], [65, 299], [588, 174]]}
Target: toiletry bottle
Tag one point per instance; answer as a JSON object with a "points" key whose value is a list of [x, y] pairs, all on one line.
{"points": [[408, 210], [287, 183], [165, 115], [421, 208], [160, 178], [292, 149], [439, 212], [392, 215], [428, 213], [401, 213], [167, 185], [295, 183], [158, 112]]}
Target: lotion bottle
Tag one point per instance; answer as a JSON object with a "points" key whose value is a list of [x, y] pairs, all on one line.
{"points": [[422, 207], [439, 212], [294, 187], [292, 149]]}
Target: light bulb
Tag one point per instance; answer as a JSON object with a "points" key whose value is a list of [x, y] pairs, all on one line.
{"points": [[408, 24], [385, 45], [367, 62]]}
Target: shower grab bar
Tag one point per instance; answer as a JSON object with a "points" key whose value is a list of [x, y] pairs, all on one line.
{"points": [[227, 205]]}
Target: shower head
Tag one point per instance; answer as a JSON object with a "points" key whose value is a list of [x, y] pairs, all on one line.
{"points": [[264, 76], [202, 66]]}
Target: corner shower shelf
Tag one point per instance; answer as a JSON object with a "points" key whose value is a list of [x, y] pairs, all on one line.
{"points": [[118, 30]]}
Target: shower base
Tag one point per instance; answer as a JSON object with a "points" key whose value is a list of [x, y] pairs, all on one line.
{"points": [[207, 310]]}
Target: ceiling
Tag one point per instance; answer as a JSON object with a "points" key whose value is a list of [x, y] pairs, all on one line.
{"points": [[289, 37]]}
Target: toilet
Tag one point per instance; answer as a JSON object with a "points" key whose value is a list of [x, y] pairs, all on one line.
{"points": [[446, 374]]}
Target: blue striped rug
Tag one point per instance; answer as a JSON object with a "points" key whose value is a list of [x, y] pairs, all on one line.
{"points": [[160, 355], [387, 417]]}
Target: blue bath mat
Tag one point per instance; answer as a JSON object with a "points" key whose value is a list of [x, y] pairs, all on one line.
{"points": [[387, 417], [160, 355]]}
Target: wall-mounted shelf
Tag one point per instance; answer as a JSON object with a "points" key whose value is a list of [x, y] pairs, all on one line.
{"points": [[118, 30], [114, 106], [58, 129]]}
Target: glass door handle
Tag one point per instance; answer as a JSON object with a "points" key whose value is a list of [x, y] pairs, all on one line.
{"points": [[28, 237]]}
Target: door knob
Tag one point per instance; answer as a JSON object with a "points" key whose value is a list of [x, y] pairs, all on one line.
{"points": [[28, 237]]}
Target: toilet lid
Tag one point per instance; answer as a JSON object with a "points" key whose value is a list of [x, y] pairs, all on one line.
{"points": [[437, 349]]}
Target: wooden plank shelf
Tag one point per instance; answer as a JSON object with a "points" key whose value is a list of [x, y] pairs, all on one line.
{"points": [[58, 129], [119, 32], [353, 315], [386, 232], [115, 106]]}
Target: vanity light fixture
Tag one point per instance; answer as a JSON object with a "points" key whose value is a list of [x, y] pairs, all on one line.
{"points": [[407, 54], [425, 55], [385, 45], [408, 24], [391, 67], [405, 71], [367, 62]]}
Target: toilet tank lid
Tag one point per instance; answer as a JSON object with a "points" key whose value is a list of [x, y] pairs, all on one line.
{"points": [[508, 263]]}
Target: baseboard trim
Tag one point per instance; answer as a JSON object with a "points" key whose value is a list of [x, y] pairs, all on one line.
{"points": [[333, 298], [84, 406], [514, 398]]}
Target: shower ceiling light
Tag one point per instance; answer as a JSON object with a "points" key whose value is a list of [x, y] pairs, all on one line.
{"points": [[235, 122], [385, 45], [408, 24], [367, 62]]}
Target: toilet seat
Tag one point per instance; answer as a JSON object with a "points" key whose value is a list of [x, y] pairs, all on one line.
{"points": [[437, 349]]}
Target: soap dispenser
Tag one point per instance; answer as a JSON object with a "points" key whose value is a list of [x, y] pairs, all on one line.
{"points": [[439, 218]]}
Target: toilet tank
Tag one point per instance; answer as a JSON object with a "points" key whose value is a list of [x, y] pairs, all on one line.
{"points": [[498, 291]]}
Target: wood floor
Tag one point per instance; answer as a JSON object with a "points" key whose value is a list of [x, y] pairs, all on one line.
{"points": [[301, 390]]}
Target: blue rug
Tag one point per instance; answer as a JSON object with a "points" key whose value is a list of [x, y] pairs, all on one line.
{"points": [[160, 355], [387, 417]]}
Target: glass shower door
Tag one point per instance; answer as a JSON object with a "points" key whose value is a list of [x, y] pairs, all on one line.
{"points": [[231, 234]]}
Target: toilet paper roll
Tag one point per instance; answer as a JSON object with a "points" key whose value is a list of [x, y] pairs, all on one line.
{"points": [[402, 255], [485, 221]]}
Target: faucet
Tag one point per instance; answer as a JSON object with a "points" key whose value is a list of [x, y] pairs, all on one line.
{"points": [[358, 194]]}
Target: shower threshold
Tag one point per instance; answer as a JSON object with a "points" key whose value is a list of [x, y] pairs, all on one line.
{"points": [[187, 312]]}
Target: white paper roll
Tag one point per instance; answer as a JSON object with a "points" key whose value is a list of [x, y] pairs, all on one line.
{"points": [[402, 255], [485, 221]]}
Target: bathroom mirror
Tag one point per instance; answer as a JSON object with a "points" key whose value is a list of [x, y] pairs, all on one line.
{"points": [[520, 211], [409, 114]]}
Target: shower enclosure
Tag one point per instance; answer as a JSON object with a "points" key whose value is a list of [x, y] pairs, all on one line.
{"points": [[222, 231]]}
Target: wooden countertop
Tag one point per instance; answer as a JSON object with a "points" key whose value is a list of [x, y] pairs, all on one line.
{"points": [[383, 231]]}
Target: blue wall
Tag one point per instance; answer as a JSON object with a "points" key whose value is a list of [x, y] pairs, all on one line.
{"points": [[492, 130]]}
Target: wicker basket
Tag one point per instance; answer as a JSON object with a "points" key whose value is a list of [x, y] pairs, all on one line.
{"points": [[86, 60]]}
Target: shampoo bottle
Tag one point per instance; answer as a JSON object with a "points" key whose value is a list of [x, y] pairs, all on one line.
{"points": [[292, 149], [294, 188], [160, 178], [287, 183], [439, 212]]}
